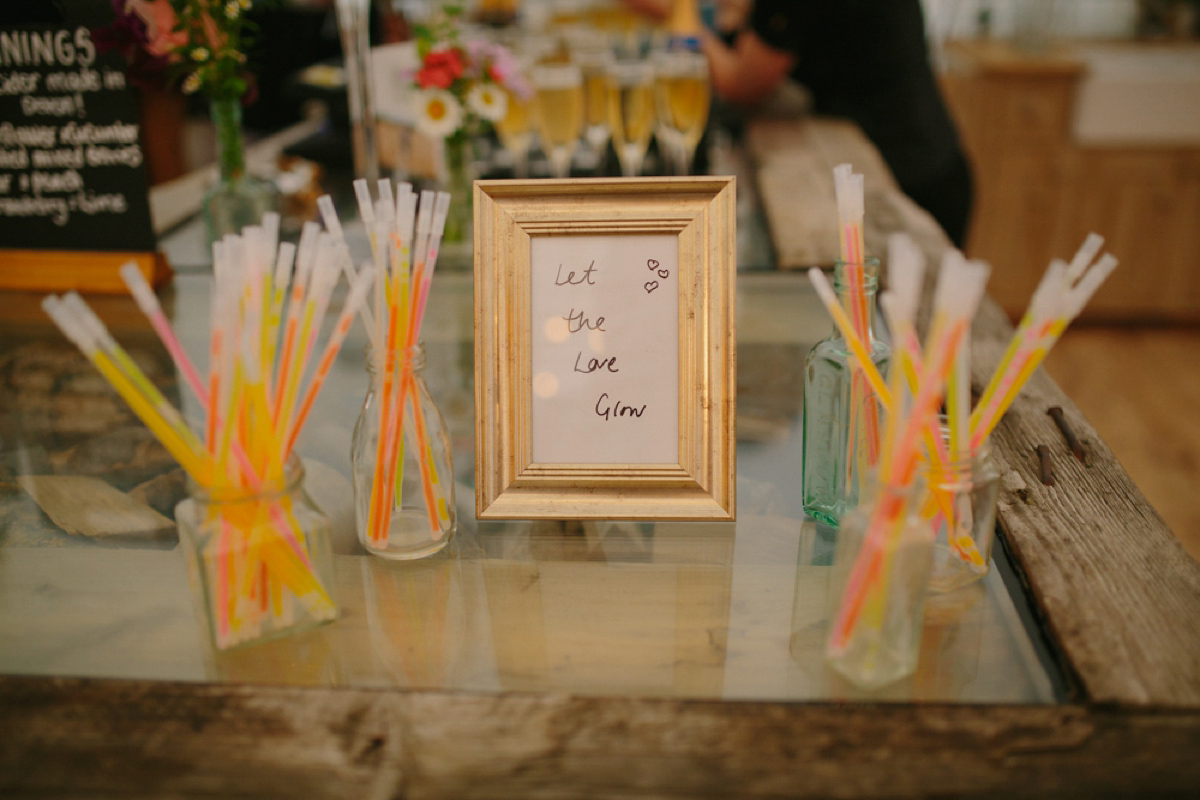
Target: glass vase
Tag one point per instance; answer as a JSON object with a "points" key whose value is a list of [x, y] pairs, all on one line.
{"points": [[260, 562], [961, 511], [237, 199], [880, 578], [406, 511], [458, 178], [843, 422]]}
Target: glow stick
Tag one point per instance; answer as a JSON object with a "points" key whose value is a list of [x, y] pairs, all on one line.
{"points": [[167, 427], [270, 226], [305, 259], [829, 300], [366, 209], [1039, 337], [437, 228], [334, 225], [324, 274], [148, 302], [1043, 297], [283, 276]]}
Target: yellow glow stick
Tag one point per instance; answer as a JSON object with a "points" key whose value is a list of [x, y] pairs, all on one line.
{"points": [[829, 300]]}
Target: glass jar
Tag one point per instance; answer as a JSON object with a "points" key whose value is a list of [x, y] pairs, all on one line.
{"points": [[406, 511], [877, 595], [238, 198], [961, 510], [260, 562], [843, 419]]}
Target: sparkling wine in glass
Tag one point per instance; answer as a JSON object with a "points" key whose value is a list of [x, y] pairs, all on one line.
{"points": [[559, 91], [631, 114], [515, 131], [682, 93], [594, 65]]}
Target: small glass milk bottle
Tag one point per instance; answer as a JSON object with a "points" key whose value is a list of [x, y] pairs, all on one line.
{"points": [[843, 423], [406, 511]]}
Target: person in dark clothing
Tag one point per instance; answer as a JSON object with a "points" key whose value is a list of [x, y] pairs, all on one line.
{"points": [[865, 60]]}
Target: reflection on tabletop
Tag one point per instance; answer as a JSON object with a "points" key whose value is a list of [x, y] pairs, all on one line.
{"points": [[91, 583]]}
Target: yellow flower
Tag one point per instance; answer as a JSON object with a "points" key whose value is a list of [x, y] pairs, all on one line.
{"points": [[437, 112], [488, 101], [200, 53], [191, 83]]}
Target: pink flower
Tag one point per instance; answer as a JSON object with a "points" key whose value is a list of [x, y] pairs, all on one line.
{"points": [[496, 63], [159, 18]]}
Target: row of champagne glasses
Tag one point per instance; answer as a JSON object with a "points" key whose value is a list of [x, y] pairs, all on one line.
{"points": [[595, 98]]}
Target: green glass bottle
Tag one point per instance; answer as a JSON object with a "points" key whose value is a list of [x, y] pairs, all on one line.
{"points": [[843, 420]]}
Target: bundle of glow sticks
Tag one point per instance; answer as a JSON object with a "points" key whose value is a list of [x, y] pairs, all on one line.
{"points": [[913, 413], [848, 188], [255, 402], [405, 235], [1061, 296]]}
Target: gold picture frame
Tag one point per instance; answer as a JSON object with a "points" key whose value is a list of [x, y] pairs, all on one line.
{"points": [[691, 217]]}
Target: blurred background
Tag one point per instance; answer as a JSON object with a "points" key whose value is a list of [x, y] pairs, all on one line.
{"points": [[1076, 115]]}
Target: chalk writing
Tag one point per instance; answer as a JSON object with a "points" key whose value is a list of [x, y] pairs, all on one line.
{"points": [[71, 160]]}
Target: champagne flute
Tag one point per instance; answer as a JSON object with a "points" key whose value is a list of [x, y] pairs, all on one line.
{"points": [[515, 131], [594, 64], [682, 93], [559, 91], [631, 112]]}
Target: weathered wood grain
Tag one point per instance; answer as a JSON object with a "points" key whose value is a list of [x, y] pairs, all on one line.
{"points": [[1117, 589], [112, 738]]}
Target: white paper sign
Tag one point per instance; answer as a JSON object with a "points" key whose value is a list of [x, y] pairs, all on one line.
{"points": [[605, 349]]}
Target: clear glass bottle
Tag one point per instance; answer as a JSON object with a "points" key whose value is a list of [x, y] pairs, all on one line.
{"points": [[961, 510], [877, 596], [238, 198], [260, 563], [843, 420], [418, 493]]}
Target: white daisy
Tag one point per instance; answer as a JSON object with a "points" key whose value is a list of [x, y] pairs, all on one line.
{"points": [[488, 101], [438, 113], [192, 83]]}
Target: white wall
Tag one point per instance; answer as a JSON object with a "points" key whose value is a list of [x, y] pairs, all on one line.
{"points": [[1059, 18]]}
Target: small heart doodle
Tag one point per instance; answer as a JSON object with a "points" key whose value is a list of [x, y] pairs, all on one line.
{"points": [[650, 286], [652, 264], [662, 273]]}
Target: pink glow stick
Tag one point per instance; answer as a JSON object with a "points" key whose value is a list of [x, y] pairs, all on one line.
{"points": [[148, 302]]}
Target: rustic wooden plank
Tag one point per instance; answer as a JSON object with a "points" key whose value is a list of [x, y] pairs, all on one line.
{"points": [[114, 738], [1117, 589], [794, 161]]}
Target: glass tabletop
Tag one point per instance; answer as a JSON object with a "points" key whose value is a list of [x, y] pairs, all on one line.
{"points": [[733, 611]]}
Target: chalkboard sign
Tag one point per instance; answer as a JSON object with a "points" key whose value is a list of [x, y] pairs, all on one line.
{"points": [[604, 363], [71, 160]]}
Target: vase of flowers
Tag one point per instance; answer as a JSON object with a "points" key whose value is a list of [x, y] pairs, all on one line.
{"points": [[459, 90], [203, 43]]}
